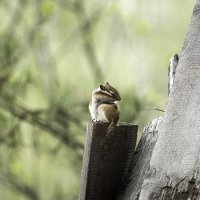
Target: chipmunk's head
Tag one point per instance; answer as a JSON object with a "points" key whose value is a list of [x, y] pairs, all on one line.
{"points": [[107, 93]]}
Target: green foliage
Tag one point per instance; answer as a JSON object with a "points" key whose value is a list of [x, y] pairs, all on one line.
{"points": [[53, 53], [47, 8]]}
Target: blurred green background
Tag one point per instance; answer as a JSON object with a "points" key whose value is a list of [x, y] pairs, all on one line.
{"points": [[53, 53]]}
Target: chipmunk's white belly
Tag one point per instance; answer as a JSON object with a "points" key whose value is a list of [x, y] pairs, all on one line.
{"points": [[101, 116], [96, 113], [92, 110]]}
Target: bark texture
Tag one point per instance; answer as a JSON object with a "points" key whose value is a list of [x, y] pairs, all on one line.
{"points": [[174, 171], [141, 160]]}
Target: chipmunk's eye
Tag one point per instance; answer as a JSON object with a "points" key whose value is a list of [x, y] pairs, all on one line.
{"points": [[111, 92], [102, 87]]}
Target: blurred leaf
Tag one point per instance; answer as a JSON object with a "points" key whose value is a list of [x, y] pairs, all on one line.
{"points": [[16, 168], [142, 26], [48, 7]]}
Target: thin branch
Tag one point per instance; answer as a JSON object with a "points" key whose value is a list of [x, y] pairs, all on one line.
{"points": [[40, 46], [7, 132], [32, 117], [156, 109], [86, 35], [16, 183]]}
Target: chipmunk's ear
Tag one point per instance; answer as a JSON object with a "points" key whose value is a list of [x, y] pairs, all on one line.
{"points": [[107, 83], [102, 87]]}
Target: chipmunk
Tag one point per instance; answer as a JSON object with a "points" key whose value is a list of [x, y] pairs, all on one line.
{"points": [[103, 106]]}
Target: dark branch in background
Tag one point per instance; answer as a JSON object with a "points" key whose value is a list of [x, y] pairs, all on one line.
{"points": [[6, 133], [54, 120], [14, 182], [14, 83], [88, 44], [38, 41], [15, 19], [67, 41], [41, 119]]}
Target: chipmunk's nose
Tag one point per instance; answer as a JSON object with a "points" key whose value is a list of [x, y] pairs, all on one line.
{"points": [[119, 99]]}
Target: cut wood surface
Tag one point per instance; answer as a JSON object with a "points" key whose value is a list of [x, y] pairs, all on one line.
{"points": [[106, 160]]}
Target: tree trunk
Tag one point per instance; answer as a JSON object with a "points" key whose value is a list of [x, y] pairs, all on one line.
{"points": [[140, 163], [170, 170], [174, 171]]}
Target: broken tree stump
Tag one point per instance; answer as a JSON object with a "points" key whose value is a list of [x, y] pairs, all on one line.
{"points": [[106, 160]]}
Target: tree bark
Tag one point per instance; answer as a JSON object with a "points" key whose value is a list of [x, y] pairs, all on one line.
{"points": [[174, 171], [141, 159], [146, 145]]}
